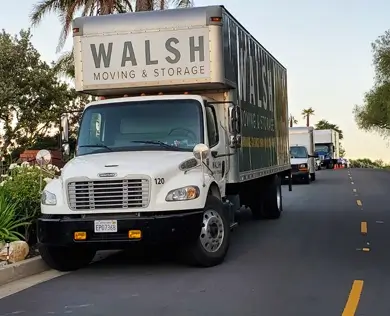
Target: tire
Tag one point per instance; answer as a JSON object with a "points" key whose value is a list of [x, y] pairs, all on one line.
{"points": [[272, 199], [66, 258], [306, 179], [201, 253], [313, 177]]}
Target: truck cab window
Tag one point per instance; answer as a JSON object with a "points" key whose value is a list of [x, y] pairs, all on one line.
{"points": [[212, 126]]}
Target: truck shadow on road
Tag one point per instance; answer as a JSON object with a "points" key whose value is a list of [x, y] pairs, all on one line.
{"points": [[141, 257]]}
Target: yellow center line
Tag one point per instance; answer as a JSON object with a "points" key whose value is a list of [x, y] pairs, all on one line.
{"points": [[358, 202], [363, 228], [353, 298]]}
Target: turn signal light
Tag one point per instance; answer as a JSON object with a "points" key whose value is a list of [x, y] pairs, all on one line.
{"points": [[215, 19], [135, 234], [80, 235]]}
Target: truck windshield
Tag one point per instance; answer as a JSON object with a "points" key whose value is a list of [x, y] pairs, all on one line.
{"points": [[322, 148], [174, 125], [298, 152]]}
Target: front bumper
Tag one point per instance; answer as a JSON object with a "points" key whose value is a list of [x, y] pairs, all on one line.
{"points": [[299, 173], [158, 228]]}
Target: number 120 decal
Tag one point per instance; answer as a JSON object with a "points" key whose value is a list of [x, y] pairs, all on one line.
{"points": [[159, 180]]}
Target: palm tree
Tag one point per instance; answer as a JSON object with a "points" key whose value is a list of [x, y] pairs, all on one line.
{"points": [[67, 10], [293, 120], [306, 113]]}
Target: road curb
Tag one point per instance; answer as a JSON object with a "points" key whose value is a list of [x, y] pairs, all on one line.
{"points": [[22, 269], [26, 268]]}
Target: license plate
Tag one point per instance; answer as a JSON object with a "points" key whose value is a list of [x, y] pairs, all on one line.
{"points": [[106, 226]]}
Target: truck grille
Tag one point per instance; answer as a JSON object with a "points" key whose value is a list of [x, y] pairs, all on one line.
{"points": [[108, 194]]}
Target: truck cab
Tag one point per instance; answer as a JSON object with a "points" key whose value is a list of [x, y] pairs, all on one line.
{"points": [[302, 163], [302, 153]]}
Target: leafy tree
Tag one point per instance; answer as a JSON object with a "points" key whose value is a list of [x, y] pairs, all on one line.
{"points": [[307, 113], [342, 151], [31, 97], [292, 120], [324, 124], [374, 114], [67, 11]]}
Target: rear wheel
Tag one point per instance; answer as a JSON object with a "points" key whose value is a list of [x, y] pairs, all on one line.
{"points": [[212, 245], [273, 205], [266, 201], [66, 258]]}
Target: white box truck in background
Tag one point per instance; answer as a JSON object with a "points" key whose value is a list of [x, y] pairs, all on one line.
{"points": [[193, 125], [327, 146], [302, 153]]}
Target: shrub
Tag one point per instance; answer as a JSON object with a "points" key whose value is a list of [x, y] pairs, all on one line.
{"points": [[23, 186], [9, 223]]}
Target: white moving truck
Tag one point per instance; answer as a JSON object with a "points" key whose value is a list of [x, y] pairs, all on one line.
{"points": [[302, 153], [193, 119], [327, 147]]}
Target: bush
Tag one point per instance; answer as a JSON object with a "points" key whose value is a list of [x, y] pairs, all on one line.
{"points": [[22, 186], [9, 223]]}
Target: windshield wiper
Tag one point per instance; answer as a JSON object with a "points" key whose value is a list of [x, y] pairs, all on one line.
{"points": [[96, 146], [156, 142]]}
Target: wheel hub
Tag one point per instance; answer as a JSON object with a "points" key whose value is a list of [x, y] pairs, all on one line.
{"points": [[213, 232]]}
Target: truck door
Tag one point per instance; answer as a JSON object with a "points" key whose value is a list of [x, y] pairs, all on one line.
{"points": [[216, 140]]}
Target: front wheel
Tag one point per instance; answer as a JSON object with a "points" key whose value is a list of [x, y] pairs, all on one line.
{"points": [[66, 258], [213, 242]]}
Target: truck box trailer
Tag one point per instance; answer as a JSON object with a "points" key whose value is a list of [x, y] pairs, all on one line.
{"points": [[327, 146], [192, 124], [302, 153]]}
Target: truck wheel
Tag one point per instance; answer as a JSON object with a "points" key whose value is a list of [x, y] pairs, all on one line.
{"points": [[213, 243], [313, 177], [272, 204], [66, 258]]}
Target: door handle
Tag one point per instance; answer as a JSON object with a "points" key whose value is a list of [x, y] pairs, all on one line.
{"points": [[223, 169]]}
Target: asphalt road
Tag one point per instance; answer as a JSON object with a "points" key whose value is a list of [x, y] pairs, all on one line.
{"points": [[316, 260]]}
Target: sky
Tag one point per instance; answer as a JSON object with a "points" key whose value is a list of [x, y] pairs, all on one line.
{"points": [[325, 46]]}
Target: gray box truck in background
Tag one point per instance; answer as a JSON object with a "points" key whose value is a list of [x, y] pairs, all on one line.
{"points": [[192, 124]]}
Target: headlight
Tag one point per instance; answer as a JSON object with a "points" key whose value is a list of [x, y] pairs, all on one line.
{"points": [[183, 194], [303, 165], [48, 198]]}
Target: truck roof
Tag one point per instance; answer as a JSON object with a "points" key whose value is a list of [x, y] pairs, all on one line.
{"points": [[158, 20], [299, 130]]}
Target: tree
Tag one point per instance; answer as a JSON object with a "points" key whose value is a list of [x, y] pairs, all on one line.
{"points": [[292, 120], [341, 151], [31, 97], [374, 114], [324, 124], [67, 10], [306, 113]]}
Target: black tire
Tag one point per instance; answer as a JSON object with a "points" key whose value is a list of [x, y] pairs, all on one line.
{"points": [[197, 253], [313, 177], [66, 258], [272, 199], [306, 179]]}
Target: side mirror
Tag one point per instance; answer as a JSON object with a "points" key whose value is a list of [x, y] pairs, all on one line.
{"points": [[234, 126], [65, 129], [201, 152], [66, 149]]}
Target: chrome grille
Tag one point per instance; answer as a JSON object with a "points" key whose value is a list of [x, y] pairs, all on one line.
{"points": [[108, 194]]}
